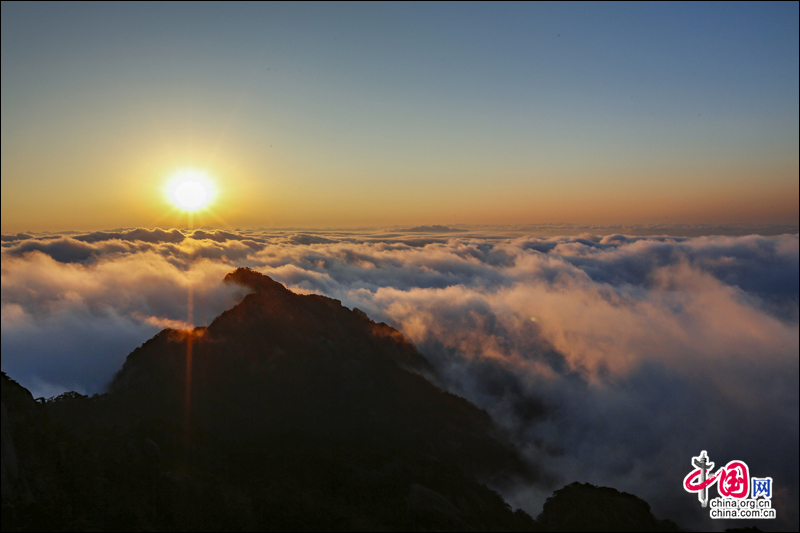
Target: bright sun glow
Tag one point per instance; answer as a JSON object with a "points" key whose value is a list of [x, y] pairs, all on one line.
{"points": [[190, 190]]}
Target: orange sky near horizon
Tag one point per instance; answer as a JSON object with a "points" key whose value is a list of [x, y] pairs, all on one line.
{"points": [[279, 197]]}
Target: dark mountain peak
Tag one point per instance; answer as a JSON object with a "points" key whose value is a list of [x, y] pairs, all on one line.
{"points": [[308, 325], [280, 362], [16, 394], [601, 509], [258, 282]]}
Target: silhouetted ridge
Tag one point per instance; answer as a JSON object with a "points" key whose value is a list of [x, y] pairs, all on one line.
{"points": [[280, 362], [586, 507], [256, 281], [301, 415]]}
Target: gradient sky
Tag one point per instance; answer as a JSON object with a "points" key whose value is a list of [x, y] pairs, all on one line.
{"points": [[378, 114]]}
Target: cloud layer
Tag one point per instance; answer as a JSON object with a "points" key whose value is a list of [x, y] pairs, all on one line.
{"points": [[610, 359]]}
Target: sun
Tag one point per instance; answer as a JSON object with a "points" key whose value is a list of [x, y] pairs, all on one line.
{"points": [[190, 190]]}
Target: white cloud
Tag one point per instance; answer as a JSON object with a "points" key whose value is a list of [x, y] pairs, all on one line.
{"points": [[644, 350]]}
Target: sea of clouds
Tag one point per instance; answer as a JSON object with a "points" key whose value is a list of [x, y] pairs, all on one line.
{"points": [[608, 358]]}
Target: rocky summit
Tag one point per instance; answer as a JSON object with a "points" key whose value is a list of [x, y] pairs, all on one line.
{"points": [[288, 412]]}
